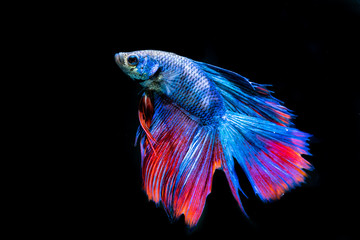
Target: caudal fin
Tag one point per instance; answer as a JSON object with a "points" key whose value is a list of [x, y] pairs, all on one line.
{"points": [[269, 154]]}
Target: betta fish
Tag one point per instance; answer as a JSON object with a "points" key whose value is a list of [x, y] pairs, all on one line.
{"points": [[195, 118]]}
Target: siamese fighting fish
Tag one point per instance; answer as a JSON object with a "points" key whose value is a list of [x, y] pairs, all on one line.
{"points": [[196, 118]]}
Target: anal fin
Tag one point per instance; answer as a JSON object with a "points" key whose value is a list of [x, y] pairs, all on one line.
{"points": [[180, 174]]}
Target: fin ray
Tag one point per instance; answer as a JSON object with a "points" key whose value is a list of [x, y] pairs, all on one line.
{"points": [[180, 174], [245, 97], [269, 154]]}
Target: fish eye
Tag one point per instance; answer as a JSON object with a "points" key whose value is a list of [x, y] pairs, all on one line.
{"points": [[133, 60]]}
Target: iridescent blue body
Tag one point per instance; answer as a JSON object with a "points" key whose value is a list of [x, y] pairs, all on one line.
{"points": [[196, 118], [185, 83]]}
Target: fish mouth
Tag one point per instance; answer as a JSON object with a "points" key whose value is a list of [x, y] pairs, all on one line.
{"points": [[119, 59]]}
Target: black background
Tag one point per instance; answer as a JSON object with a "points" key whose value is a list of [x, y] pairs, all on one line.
{"points": [[308, 51]]}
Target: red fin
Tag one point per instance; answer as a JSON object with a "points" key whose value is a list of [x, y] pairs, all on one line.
{"points": [[276, 170], [146, 112], [180, 173], [195, 175]]}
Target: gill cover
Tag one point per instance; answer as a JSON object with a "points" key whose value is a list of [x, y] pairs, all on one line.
{"points": [[146, 68]]}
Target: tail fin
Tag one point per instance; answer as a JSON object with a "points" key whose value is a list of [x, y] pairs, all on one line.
{"points": [[269, 154]]}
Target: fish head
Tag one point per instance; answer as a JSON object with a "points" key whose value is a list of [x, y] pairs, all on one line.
{"points": [[137, 65]]}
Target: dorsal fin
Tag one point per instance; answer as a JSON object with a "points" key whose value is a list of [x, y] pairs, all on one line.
{"points": [[242, 96], [227, 74]]}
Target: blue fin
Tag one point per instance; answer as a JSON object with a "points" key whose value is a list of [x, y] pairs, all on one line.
{"points": [[269, 154], [242, 96], [218, 72]]}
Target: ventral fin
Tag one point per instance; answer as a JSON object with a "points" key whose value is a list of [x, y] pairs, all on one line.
{"points": [[146, 112]]}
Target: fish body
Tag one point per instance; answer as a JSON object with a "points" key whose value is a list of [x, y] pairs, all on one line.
{"points": [[183, 82], [196, 118]]}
